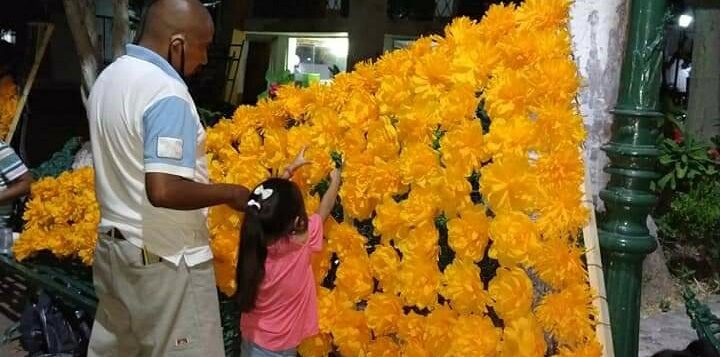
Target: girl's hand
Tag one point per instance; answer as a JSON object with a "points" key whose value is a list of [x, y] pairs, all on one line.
{"points": [[296, 164], [300, 159], [335, 176]]}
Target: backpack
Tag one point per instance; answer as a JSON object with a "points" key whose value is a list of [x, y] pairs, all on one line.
{"points": [[46, 329]]}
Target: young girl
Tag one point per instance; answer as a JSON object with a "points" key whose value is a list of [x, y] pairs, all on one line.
{"points": [[276, 289]]}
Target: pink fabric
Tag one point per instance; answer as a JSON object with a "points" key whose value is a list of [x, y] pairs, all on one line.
{"points": [[286, 308]]}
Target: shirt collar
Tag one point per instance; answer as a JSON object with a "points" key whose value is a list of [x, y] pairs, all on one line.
{"points": [[148, 55]]}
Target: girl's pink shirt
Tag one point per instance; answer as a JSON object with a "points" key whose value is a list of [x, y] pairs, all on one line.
{"points": [[286, 307]]}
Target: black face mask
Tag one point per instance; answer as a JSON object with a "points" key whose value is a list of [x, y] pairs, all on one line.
{"points": [[182, 57]]}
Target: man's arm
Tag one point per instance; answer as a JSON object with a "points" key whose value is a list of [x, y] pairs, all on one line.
{"points": [[174, 192], [16, 189], [170, 130]]}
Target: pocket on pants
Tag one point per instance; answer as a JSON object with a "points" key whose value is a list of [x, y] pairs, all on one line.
{"points": [[131, 256]]}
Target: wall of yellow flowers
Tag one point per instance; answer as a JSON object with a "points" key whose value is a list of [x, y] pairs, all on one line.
{"points": [[408, 132], [8, 103]]}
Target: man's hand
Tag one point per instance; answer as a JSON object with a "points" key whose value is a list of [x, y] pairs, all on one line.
{"points": [[174, 192], [239, 198]]}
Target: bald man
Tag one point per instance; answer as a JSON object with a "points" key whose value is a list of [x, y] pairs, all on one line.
{"points": [[152, 271]]}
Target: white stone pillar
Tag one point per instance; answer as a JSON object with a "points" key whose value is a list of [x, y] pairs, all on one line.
{"points": [[598, 31]]}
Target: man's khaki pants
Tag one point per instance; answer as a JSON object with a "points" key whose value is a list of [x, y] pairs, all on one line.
{"points": [[154, 310]]}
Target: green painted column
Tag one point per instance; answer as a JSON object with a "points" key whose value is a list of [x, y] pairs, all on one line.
{"points": [[624, 237]]}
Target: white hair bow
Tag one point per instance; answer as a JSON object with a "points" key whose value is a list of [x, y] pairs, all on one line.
{"points": [[264, 194]]}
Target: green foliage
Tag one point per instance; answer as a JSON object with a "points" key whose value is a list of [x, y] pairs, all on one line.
{"points": [[276, 79], [208, 117], [334, 70], [684, 164], [694, 217], [60, 161]]}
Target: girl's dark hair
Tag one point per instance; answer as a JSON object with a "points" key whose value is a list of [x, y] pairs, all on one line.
{"points": [[273, 220]]}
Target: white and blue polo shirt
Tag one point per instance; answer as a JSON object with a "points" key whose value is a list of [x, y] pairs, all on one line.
{"points": [[142, 119]]}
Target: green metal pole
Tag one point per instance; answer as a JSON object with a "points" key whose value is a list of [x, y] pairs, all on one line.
{"points": [[624, 237]]}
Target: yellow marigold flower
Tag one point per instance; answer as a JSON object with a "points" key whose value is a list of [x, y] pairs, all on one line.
{"points": [[512, 293], [590, 349], [321, 167], [273, 153], [418, 281], [420, 244], [412, 328], [461, 285], [562, 215], [383, 312], [294, 99], [330, 304], [558, 262], [543, 14], [451, 190], [514, 236], [352, 334], [515, 136], [508, 94], [561, 168], [312, 203], [269, 114], [383, 346], [343, 239], [319, 345], [462, 31], [414, 127], [567, 315], [8, 103], [468, 234], [474, 335], [419, 210], [387, 222], [382, 139], [438, 330], [562, 72], [497, 22], [561, 120], [414, 348], [62, 217], [321, 264], [510, 183], [463, 147], [418, 164], [384, 263], [523, 338], [354, 279]]}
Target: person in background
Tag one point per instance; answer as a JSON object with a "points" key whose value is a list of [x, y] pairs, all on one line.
{"points": [[15, 181]]}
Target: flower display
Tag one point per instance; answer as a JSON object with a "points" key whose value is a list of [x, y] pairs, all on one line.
{"points": [[8, 103], [62, 217], [462, 208]]}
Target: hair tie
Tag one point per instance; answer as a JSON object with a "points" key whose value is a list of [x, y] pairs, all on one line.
{"points": [[254, 203]]}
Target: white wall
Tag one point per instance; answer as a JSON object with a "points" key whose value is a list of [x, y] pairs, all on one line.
{"points": [[598, 30]]}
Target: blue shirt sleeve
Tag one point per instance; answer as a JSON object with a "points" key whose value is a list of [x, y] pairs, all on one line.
{"points": [[170, 137]]}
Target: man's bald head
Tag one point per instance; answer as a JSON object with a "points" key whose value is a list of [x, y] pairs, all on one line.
{"points": [[176, 29]]}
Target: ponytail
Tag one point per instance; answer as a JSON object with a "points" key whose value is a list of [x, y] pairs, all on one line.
{"points": [[251, 261], [272, 213]]}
